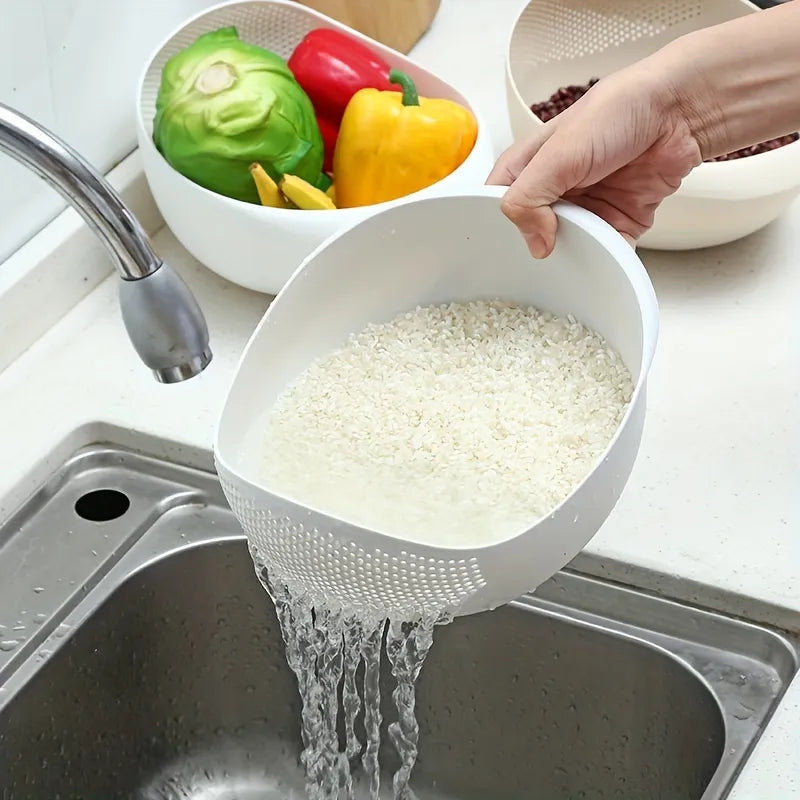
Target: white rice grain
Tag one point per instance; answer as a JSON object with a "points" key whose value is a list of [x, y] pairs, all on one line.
{"points": [[459, 424]]}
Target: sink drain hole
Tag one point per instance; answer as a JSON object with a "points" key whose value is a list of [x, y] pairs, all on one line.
{"points": [[102, 505]]}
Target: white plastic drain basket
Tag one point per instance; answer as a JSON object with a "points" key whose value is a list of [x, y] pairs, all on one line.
{"points": [[254, 246], [424, 252]]}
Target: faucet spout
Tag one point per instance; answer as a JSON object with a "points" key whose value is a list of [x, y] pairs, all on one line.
{"points": [[162, 317]]}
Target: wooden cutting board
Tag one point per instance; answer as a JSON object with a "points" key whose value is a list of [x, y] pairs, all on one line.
{"points": [[396, 23]]}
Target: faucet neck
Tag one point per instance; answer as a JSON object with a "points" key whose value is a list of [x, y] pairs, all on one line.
{"points": [[164, 322], [83, 188]]}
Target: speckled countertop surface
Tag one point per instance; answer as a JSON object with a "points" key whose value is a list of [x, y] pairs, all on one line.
{"points": [[712, 509]]}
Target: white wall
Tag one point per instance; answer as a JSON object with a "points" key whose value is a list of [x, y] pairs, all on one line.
{"points": [[73, 66]]}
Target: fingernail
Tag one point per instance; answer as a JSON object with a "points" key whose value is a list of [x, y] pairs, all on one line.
{"points": [[538, 246]]}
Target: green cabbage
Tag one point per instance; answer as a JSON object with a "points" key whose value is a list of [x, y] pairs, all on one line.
{"points": [[224, 104]]}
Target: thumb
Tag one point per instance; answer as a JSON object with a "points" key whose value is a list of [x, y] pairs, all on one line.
{"points": [[527, 203], [511, 162]]}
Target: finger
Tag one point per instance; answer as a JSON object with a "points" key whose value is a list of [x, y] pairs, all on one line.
{"points": [[515, 158], [538, 225], [550, 173], [630, 220], [512, 161]]}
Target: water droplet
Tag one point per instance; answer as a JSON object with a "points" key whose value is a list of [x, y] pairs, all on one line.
{"points": [[62, 630], [7, 645], [40, 618], [38, 589]]}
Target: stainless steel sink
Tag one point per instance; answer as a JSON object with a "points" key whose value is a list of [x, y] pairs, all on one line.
{"points": [[141, 659]]}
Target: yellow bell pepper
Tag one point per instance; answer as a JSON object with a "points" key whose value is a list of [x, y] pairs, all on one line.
{"points": [[392, 144]]}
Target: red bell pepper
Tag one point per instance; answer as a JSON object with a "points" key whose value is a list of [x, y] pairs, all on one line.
{"points": [[331, 67]]}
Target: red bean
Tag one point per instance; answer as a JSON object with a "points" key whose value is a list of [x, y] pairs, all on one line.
{"points": [[562, 99], [763, 147]]}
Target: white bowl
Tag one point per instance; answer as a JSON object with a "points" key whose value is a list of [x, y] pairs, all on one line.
{"points": [[554, 43], [255, 246], [592, 273]]}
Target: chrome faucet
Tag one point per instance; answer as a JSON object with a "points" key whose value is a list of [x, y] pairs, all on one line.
{"points": [[164, 322]]}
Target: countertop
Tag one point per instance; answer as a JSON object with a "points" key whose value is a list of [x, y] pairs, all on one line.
{"points": [[710, 513]]}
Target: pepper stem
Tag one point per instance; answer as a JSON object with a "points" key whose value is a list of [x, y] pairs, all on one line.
{"points": [[410, 96]]}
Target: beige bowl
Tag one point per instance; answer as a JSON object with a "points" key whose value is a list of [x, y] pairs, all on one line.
{"points": [[556, 43]]}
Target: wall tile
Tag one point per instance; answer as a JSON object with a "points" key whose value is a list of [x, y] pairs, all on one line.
{"points": [[73, 65]]}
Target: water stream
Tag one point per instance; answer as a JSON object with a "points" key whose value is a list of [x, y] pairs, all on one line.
{"points": [[336, 658]]}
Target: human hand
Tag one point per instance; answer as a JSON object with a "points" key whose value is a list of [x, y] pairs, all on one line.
{"points": [[618, 152]]}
